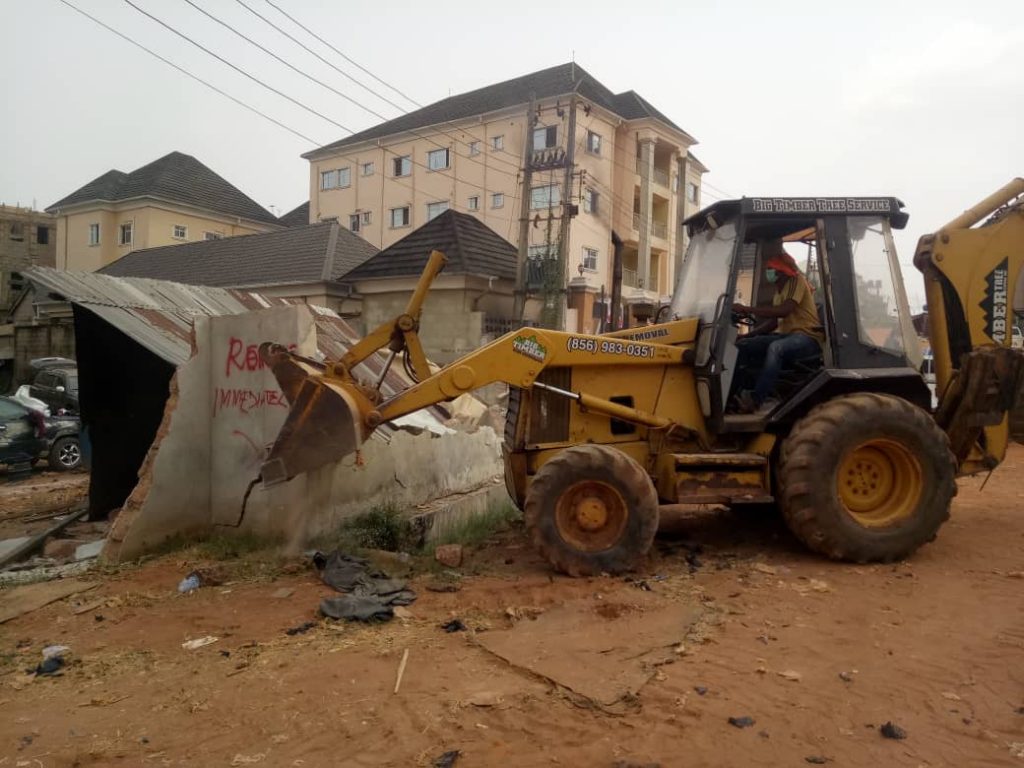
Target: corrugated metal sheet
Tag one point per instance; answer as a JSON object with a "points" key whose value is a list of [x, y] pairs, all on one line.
{"points": [[159, 315]]}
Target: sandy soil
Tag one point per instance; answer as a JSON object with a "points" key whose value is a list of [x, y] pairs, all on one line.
{"points": [[818, 654], [27, 504]]}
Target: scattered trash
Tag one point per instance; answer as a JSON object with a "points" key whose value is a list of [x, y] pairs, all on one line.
{"points": [[401, 669], [80, 609], [301, 629], [763, 568], [816, 760], [455, 625], [226, 654], [449, 555], [204, 577], [50, 666], [372, 593], [442, 587], [892, 731], [53, 651], [199, 642], [447, 760], [248, 759], [700, 689], [401, 612], [89, 550], [742, 722], [791, 675], [356, 608], [764, 734], [189, 584], [1016, 748], [949, 695], [693, 561], [282, 594], [846, 677]]}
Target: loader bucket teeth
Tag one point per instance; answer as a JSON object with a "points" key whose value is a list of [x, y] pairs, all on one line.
{"points": [[323, 426]]}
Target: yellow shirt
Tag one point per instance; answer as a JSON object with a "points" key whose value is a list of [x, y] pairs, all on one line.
{"points": [[804, 319]]}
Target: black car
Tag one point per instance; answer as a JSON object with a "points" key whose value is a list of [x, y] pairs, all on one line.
{"points": [[27, 436], [57, 386]]}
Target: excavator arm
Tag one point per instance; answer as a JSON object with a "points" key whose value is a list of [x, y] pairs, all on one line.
{"points": [[332, 413], [971, 268]]}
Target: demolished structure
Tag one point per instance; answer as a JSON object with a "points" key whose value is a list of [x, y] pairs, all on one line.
{"points": [[179, 409]]}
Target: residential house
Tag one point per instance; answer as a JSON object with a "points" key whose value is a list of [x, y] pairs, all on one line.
{"points": [[309, 263], [468, 301], [297, 217], [175, 199], [27, 239], [631, 171]]}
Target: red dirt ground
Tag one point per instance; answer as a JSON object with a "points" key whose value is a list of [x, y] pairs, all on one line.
{"points": [[935, 644]]}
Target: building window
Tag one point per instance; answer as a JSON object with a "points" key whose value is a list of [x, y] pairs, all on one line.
{"points": [[593, 143], [353, 222], [438, 159], [344, 177], [474, 148], [366, 217], [43, 235], [473, 203], [497, 200], [497, 142], [691, 192], [180, 232], [590, 200], [590, 259], [399, 217], [17, 231], [328, 179], [125, 236], [212, 235], [547, 196], [367, 169], [94, 234], [436, 209], [403, 165], [545, 137]]}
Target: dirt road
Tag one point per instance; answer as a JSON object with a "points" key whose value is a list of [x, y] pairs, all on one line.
{"points": [[818, 655]]}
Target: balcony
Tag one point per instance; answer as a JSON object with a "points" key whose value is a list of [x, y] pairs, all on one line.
{"points": [[659, 229], [660, 176]]}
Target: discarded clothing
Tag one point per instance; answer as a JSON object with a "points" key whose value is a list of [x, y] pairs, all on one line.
{"points": [[372, 593], [50, 666]]}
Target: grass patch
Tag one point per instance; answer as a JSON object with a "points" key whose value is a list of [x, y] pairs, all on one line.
{"points": [[476, 529], [221, 546], [381, 527]]}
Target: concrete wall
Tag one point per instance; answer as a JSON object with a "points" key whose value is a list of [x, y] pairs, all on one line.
{"points": [[27, 238], [226, 408]]}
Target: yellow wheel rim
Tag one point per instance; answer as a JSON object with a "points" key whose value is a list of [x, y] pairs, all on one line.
{"points": [[591, 515], [880, 483]]}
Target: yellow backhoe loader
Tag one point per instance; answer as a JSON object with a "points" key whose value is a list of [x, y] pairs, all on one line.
{"points": [[604, 430]]}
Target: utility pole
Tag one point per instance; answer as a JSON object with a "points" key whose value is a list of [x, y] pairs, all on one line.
{"points": [[563, 236], [519, 299]]}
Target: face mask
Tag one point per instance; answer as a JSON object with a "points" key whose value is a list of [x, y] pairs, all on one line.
{"points": [[771, 276]]}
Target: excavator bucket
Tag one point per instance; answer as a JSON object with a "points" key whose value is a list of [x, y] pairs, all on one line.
{"points": [[323, 424]]}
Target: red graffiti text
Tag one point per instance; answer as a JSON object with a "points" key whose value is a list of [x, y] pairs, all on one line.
{"points": [[246, 400], [244, 357]]}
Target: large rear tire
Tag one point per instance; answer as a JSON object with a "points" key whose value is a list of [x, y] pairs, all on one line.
{"points": [[592, 509], [865, 478]]}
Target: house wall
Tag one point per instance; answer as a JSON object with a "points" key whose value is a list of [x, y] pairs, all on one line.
{"points": [[21, 247], [153, 226], [225, 408], [612, 173]]}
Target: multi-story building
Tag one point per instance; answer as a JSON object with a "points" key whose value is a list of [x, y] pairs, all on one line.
{"points": [[27, 238], [175, 199], [629, 169]]}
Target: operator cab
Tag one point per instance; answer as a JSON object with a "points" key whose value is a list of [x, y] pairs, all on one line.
{"points": [[844, 247]]}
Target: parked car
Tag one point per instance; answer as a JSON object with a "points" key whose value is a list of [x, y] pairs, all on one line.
{"points": [[26, 436], [56, 385]]}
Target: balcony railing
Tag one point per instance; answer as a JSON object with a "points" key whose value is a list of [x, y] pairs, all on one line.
{"points": [[658, 229], [636, 221], [661, 178], [629, 277]]}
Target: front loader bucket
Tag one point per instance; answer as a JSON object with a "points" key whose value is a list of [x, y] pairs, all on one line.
{"points": [[323, 425]]}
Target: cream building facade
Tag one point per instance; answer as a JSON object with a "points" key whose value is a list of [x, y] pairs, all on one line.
{"points": [[630, 170], [173, 200]]}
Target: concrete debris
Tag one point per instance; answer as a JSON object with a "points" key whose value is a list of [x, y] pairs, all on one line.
{"points": [[791, 675], [449, 555], [762, 568], [485, 699], [742, 722], [59, 549], [89, 550]]}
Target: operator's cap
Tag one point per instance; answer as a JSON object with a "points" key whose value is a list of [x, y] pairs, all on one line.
{"points": [[781, 261]]}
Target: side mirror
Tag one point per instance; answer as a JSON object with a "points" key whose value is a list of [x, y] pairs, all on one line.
{"points": [[59, 388]]}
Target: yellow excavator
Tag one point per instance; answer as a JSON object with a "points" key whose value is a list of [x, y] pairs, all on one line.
{"points": [[603, 431]]}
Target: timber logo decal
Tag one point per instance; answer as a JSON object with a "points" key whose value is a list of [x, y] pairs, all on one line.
{"points": [[994, 304], [529, 346]]}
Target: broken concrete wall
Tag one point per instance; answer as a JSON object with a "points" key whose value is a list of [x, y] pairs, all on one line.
{"points": [[227, 408]]}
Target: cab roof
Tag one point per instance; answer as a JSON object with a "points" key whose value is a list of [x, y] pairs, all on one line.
{"points": [[796, 208]]}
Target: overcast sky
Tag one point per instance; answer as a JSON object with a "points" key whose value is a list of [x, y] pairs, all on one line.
{"points": [[922, 100]]}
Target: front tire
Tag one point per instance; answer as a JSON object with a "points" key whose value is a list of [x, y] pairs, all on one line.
{"points": [[65, 454], [865, 478], [592, 509]]}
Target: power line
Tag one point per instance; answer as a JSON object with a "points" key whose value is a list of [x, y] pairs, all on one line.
{"points": [[337, 69], [189, 74], [346, 58], [238, 69]]}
